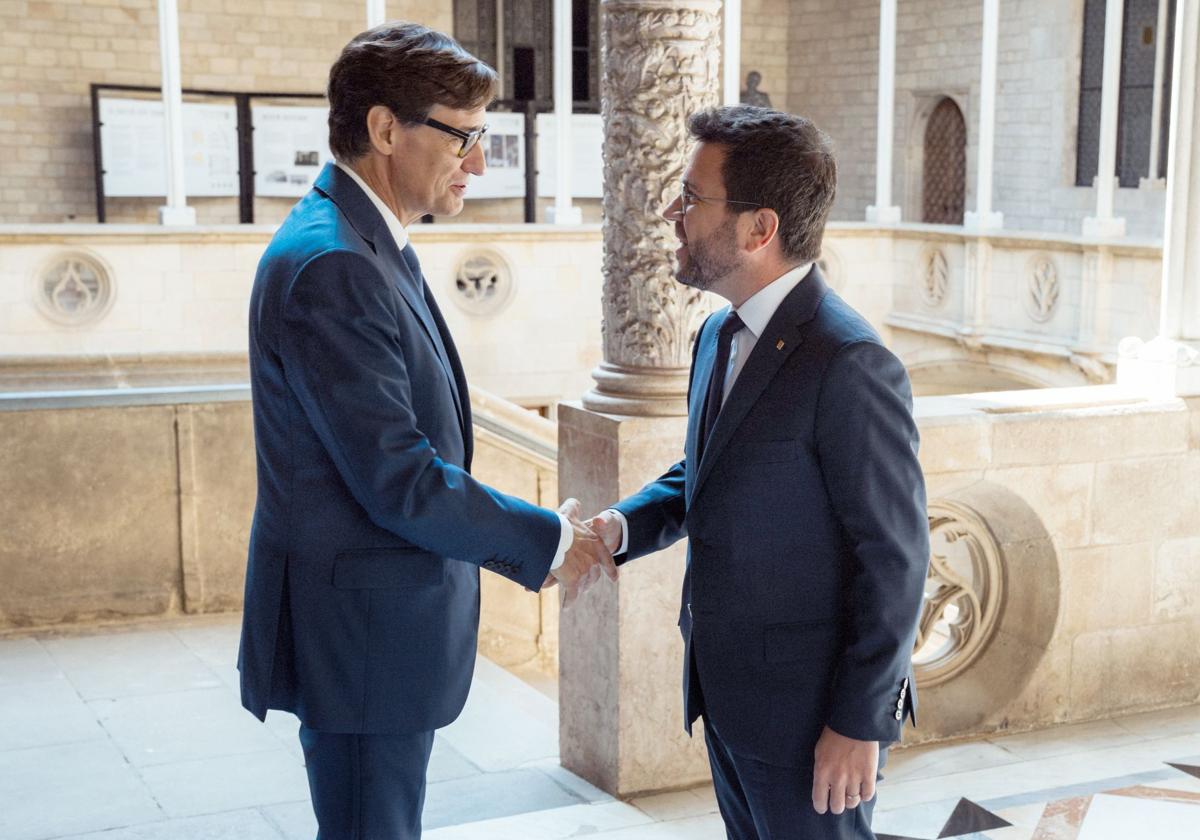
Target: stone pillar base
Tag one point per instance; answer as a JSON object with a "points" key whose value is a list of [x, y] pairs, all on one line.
{"points": [[883, 215], [638, 392], [973, 220], [1103, 228], [621, 656], [1159, 368], [168, 215]]}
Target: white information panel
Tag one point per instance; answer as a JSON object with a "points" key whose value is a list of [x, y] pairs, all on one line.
{"points": [[504, 151], [133, 148], [587, 166], [291, 145]]}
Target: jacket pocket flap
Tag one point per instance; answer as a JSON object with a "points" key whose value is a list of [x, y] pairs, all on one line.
{"points": [[767, 451], [388, 568]]}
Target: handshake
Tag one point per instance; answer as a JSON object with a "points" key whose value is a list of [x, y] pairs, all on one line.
{"points": [[590, 553]]}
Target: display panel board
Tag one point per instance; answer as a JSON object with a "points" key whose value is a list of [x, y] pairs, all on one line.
{"points": [[504, 151], [587, 165], [291, 145], [134, 148]]}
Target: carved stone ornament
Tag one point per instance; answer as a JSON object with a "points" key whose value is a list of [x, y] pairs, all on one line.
{"points": [[483, 283], [964, 593], [660, 65], [1042, 288], [934, 277], [73, 288]]}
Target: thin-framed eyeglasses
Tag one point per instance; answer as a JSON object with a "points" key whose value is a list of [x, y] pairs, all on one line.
{"points": [[468, 138], [687, 198]]}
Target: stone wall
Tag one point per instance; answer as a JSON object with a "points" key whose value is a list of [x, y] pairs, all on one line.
{"points": [[834, 79], [1091, 495], [126, 507]]}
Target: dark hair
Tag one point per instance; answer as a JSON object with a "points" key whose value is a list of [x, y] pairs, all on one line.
{"points": [[407, 67], [779, 161]]}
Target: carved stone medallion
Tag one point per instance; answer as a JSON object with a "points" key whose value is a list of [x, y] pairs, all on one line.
{"points": [[1041, 288], [73, 288], [483, 283], [934, 277]]}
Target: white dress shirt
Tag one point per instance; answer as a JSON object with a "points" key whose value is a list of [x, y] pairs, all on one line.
{"points": [[756, 312], [400, 235]]}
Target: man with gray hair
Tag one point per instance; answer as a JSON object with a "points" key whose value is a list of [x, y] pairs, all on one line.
{"points": [[799, 492], [362, 590]]}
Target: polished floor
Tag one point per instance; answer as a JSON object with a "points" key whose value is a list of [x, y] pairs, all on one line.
{"points": [[136, 734]]}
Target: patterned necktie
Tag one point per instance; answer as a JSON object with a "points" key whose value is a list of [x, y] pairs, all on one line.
{"points": [[716, 385]]}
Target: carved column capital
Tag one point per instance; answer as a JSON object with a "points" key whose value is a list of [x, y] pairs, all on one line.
{"points": [[661, 63]]}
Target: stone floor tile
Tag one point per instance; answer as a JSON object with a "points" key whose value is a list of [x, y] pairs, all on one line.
{"points": [[679, 804], [293, 820], [128, 663], [710, 827], [1124, 817], [1161, 724], [285, 727], [233, 825], [37, 714], [228, 783], [215, 642], [69, 789], [25, 660], [447, 763], [581, 787], [182, 726], [554, 824], [942, 759], [1071, 738], [506, 724], [491, 795]]}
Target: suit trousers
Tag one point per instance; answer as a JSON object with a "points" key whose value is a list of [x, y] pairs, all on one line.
{"points": [[367, 787], [760, 801]]}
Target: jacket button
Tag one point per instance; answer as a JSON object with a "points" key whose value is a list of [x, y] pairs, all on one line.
{"points": [[899, 715], [905, 683]]}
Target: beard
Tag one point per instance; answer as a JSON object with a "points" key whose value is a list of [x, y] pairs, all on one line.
{"points": [[709, 261]]}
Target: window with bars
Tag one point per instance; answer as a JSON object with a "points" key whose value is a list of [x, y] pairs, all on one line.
{"points": [[516, 37], [1139, 43]]}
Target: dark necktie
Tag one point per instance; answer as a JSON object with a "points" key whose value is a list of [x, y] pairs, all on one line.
{"points": [[716, 385]]}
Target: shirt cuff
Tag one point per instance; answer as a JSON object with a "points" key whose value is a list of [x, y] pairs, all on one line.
{"points": [[624, 531], [565, 540]]}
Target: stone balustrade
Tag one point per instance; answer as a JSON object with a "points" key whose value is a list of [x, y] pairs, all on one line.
{"points": [[965, 311]]}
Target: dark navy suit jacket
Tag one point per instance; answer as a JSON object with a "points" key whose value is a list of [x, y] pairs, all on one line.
{"points": [[362, 588], [808, 538]]}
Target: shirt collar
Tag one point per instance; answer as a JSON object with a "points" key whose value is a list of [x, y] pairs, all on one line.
{"points": [[757, 310], [393, 224]]}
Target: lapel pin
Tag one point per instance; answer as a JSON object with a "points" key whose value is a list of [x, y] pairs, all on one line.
{"points": [[779, 344]]}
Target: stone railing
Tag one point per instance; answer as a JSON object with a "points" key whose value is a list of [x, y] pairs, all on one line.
{"points": [[124, 503], [969, 311], [523, 301], [965, 311]]}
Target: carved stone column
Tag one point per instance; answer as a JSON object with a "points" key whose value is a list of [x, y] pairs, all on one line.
{"points": [[621, 658], [661, 63]]}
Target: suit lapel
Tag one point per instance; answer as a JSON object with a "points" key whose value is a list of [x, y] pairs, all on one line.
{"points": [[706, 354], [782, 337], [363, 216]]}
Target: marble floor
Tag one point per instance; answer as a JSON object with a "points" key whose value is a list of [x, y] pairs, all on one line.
{"points": [[136, 734]]}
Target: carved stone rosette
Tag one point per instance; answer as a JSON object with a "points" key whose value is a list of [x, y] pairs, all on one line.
{"points": [[660, 64]]}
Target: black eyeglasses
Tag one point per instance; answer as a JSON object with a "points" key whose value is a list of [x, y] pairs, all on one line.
{"points": [[468, 138], [687, 198]]}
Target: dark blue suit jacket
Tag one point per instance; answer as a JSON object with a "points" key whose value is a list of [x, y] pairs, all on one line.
{"points": [[808, 538], [362, 589]]}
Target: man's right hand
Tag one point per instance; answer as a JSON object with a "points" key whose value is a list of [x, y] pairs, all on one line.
{"points": [[587, 557]]}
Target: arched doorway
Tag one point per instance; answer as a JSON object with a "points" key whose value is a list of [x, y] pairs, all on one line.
{"points": [[944, 181]]}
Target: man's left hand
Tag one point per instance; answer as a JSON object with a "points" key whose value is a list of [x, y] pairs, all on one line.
{"points": [[843, 772]]}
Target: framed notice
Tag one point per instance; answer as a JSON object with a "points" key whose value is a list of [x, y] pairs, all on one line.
{"points": [[504, 151], [133, 147], [587, 166], [291, 145]]}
